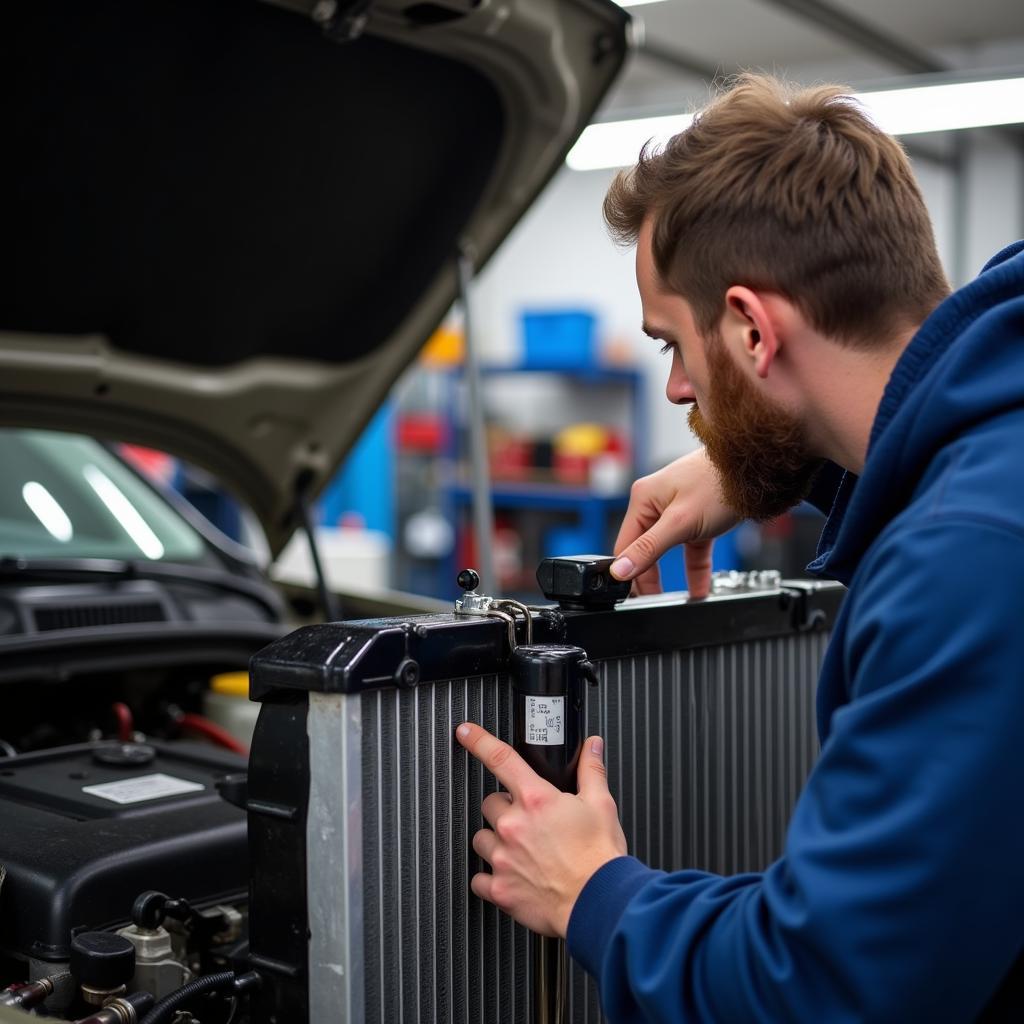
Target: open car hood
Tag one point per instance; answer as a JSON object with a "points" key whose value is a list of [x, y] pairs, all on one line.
{"points": [[231, 224]]}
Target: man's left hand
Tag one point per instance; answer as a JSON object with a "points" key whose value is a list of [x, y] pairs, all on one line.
{"points": [[543, 844]]}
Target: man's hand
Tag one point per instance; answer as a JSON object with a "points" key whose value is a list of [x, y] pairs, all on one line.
{"points": [[680, 504], [543, 845]]}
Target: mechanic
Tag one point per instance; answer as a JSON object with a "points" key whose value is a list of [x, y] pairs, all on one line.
{"points": [[786, 260]]}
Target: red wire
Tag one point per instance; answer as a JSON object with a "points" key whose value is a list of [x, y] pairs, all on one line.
{"points": [[125, 721], [212, 731]]}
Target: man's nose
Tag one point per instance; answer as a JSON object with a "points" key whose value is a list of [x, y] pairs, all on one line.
{"points": [[679, 390]]}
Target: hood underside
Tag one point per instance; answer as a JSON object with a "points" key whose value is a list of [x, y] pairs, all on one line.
{"points": [[230, 226]]}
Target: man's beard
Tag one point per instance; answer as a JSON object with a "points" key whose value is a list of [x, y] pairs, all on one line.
{"points": [[758, 448]]}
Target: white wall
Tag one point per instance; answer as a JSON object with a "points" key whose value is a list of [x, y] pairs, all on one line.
{"points": [[994, 184]]}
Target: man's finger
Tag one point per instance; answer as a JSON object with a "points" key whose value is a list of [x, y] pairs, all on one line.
{"points": [[697, 559], [484, 843], [647, 582], [642, 554], [481, 885], [591, 774], [498, 758], [494, 806]]}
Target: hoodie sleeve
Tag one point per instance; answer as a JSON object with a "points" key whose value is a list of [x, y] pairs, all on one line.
{"points": [[900, 895]]}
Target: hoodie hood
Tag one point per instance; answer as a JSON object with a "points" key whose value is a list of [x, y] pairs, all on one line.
{"points": [[957, 371]]}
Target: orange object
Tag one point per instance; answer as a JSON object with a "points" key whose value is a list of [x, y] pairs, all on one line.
{"points": [[445, 347]]}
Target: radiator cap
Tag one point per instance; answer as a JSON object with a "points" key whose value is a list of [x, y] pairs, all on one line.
{"points": [[581, 582]]}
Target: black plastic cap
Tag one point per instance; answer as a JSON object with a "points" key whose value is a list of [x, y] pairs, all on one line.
{"points": [[131, 755], [581, 581], [102, 960], [547, 669]]}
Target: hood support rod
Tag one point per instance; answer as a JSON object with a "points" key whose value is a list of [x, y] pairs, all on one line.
{"points": [[483, 510], [328, 604]]}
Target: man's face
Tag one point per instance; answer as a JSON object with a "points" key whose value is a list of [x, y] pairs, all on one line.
{"points": [[758, 447]]}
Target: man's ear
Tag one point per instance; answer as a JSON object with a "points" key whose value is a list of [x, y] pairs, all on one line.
{"points": [[746, 313]]}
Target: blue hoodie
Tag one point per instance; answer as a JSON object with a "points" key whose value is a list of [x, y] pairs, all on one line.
{"points": [[900, 894]]}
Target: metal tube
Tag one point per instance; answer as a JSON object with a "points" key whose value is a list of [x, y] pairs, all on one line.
{"points": [[328, 604], [483, 512], [549, 964], [508, 603]]}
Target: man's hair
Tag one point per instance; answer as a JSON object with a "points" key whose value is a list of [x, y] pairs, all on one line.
{"points": [[793, 191]]}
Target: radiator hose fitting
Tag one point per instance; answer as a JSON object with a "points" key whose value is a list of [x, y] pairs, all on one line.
{"points": [[164, 1010]]}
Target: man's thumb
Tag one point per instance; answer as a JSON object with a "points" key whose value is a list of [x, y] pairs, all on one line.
{"points": [[591, 774]]}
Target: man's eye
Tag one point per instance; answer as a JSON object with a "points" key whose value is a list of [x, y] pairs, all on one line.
{"points": [[667, 347]]}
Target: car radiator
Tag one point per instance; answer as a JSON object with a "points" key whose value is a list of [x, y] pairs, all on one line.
{"points": [[362, 806]]}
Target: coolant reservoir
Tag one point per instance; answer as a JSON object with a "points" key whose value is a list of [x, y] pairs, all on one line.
{"points": [[227, 703]]}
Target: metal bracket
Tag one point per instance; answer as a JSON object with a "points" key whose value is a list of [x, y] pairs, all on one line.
{"points": [[504, 608], [733, 581]]}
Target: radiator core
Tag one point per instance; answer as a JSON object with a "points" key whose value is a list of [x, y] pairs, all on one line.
{"points": [[707, 750]]}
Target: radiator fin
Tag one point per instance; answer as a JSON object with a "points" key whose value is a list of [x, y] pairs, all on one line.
{"points": [[707, 750]]}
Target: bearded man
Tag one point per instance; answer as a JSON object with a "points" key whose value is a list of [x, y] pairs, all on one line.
{"points": [[786, 259]]}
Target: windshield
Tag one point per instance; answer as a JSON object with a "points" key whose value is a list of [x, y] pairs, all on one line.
{"points": [[66, 496]]}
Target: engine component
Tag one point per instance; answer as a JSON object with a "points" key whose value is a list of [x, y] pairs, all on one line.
{"points": [[125, 1010], [223, 981], [102, 963], [157, 969], [31, 993], [87, 827]]}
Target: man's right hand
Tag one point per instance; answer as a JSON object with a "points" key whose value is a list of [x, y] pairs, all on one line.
{"points": [[680, 504]]}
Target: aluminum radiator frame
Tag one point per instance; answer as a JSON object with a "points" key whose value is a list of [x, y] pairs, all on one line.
{"points": [[362, 805]]}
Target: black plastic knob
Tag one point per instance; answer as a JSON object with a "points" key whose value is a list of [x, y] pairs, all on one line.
{"points": [[102, 960], [468, 579]]}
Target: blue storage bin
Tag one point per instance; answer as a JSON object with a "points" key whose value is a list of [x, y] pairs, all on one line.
{"points": [[566, 540], [559, 339]]}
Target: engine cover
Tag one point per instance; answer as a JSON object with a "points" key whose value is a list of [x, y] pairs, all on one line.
{"points": [[86, 828]]}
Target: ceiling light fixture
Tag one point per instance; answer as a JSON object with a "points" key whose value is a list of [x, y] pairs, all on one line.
{"points": [[926, 108]]}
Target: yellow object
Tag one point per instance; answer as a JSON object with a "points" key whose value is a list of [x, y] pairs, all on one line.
{"points": [[586, 439], [445, 347], [231, 684]]}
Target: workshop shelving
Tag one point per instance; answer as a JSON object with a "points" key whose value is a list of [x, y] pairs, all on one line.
{"points": [[537, 508]]}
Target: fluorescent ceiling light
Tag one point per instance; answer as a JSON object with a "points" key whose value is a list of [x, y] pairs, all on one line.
{"points": [[618, 143], [48, 511], [636, 3], [942, 108], [925, 108], [123, 511]]}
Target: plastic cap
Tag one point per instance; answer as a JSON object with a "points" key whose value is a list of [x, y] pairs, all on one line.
{"points": [[231, 684], [102, 960]]}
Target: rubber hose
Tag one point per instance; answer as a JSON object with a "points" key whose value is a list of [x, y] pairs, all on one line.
{"points": [[164, 1010]]}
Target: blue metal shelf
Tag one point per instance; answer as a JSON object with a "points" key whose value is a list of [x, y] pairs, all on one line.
{"points": [[550, 496]]}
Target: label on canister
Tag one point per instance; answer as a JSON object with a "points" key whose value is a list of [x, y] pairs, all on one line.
{"points": [[545, 721]]}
